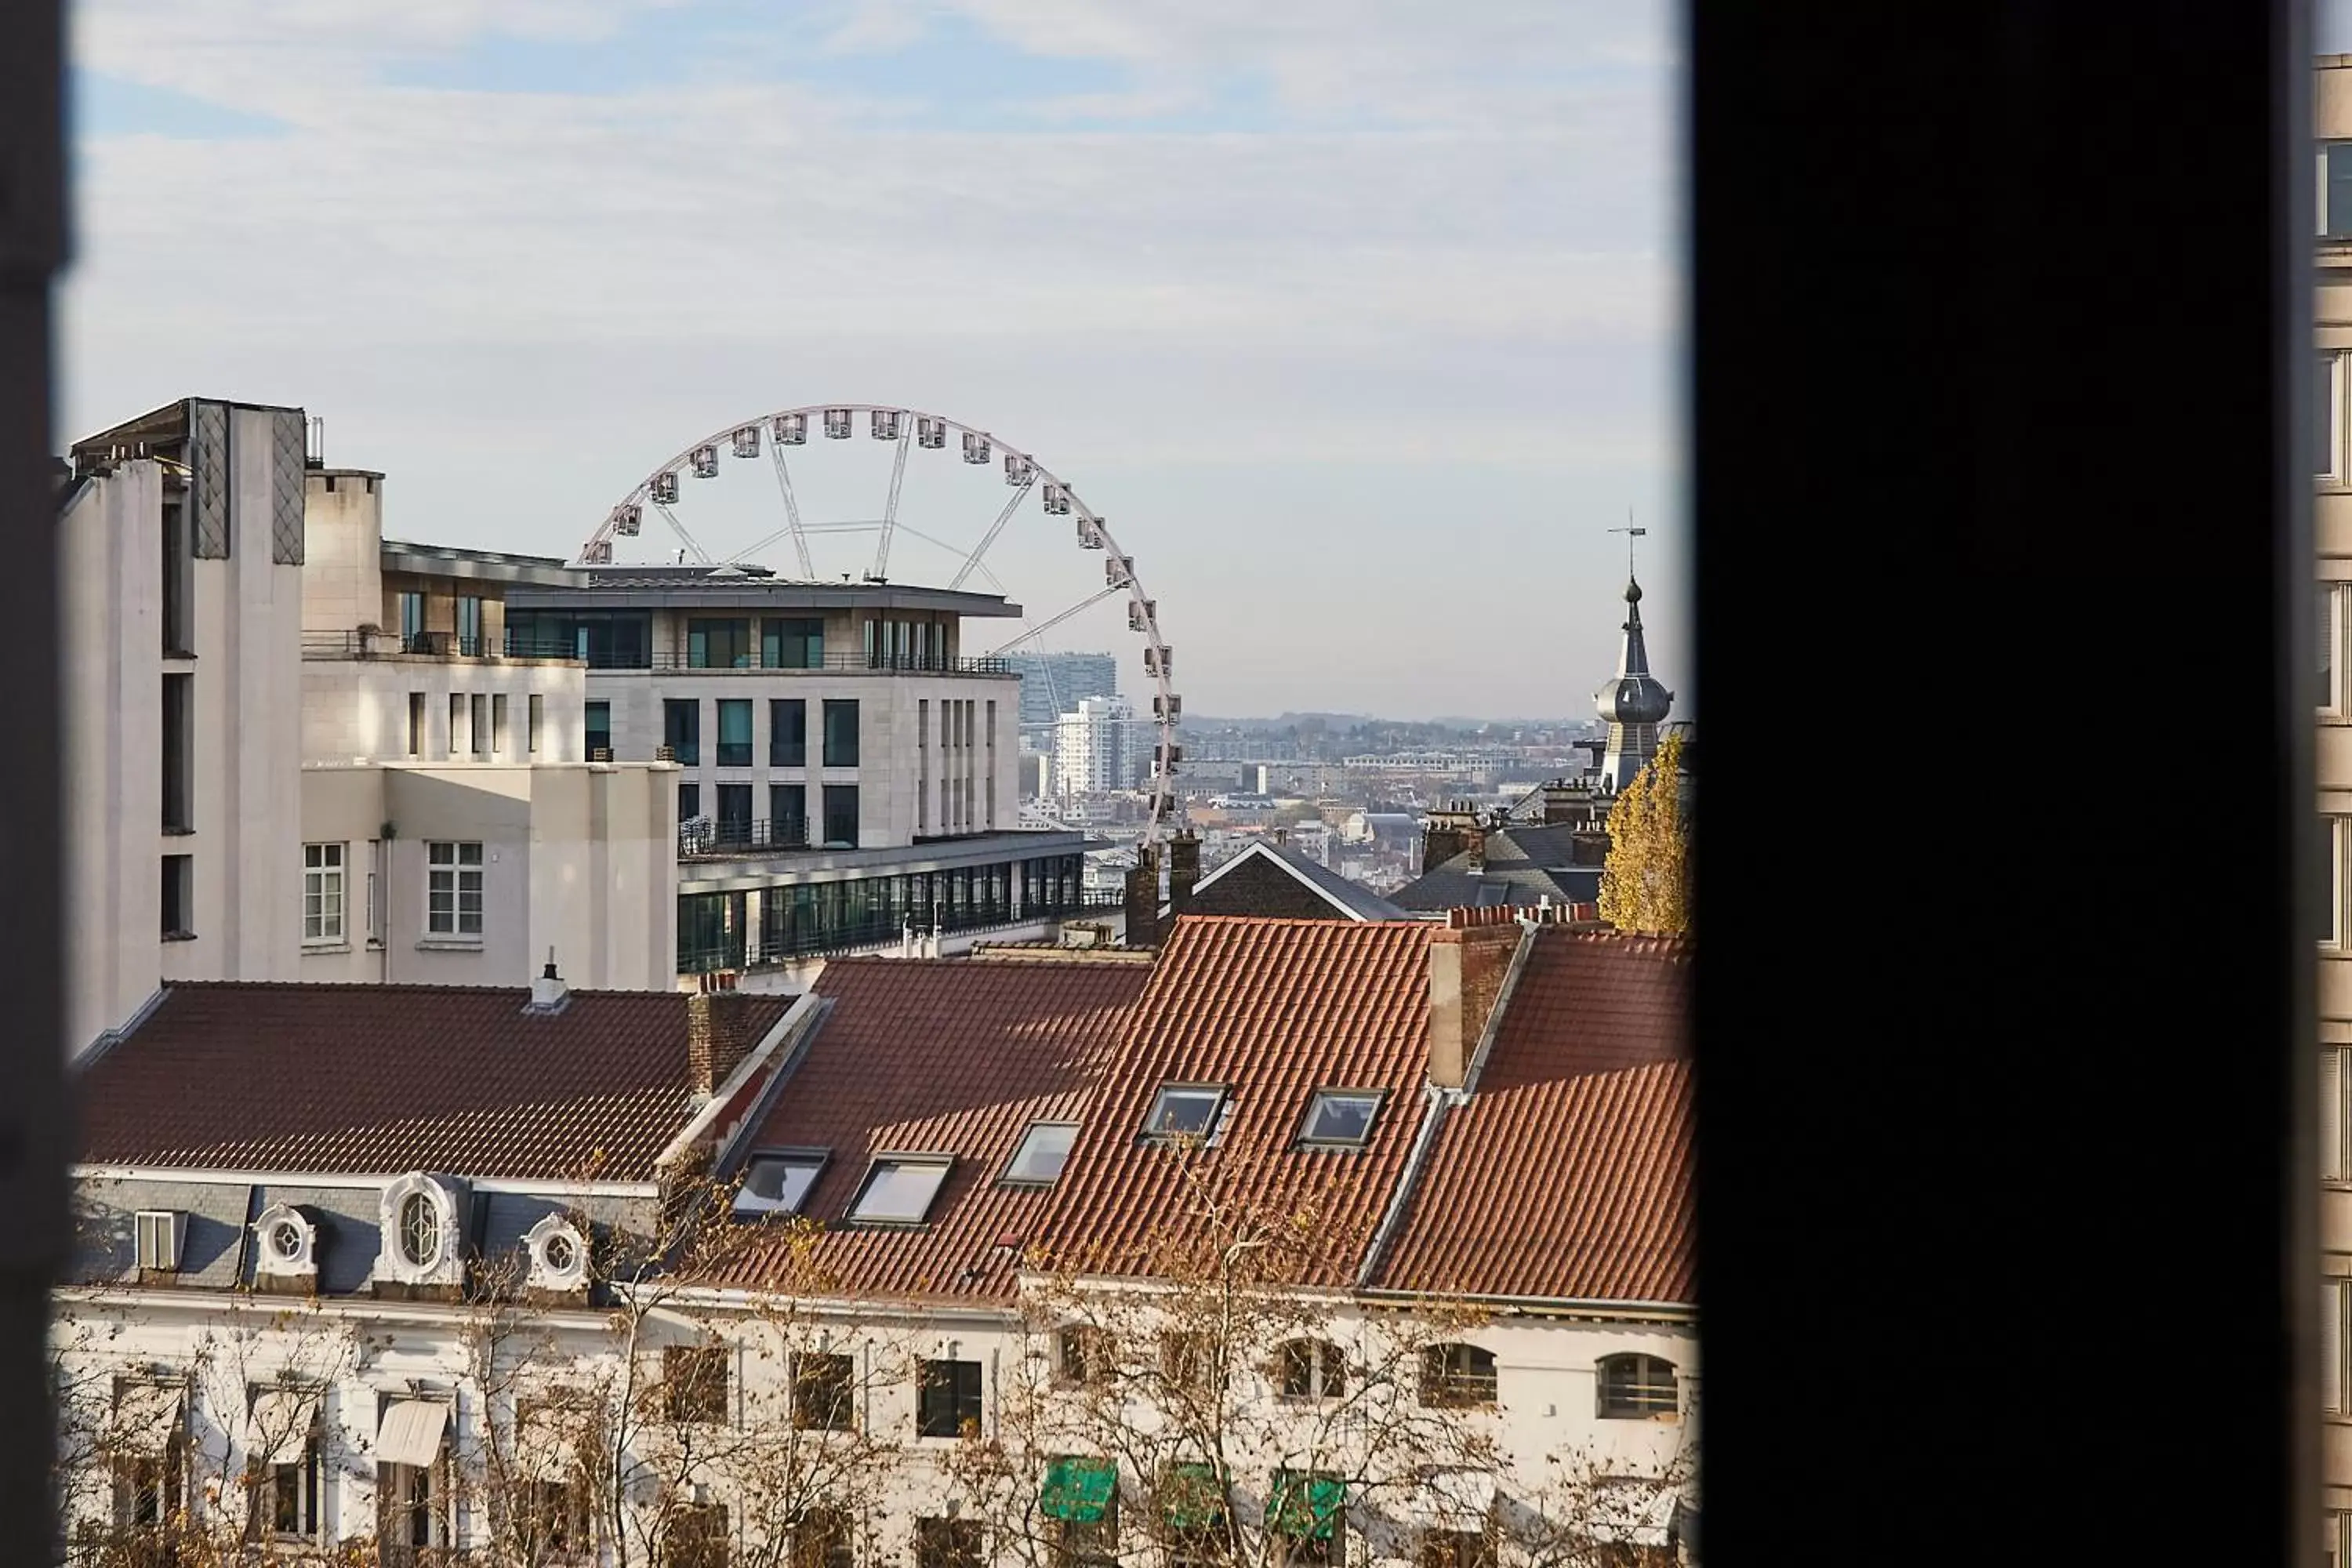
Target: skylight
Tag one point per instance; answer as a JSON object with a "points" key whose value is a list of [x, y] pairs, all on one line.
{"points": [[1045, 1149], [1184, 1111], [778, 1183], [1341, 1117], [900, 1189]]}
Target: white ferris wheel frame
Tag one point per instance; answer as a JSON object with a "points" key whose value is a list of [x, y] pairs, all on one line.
{"points": [[748, 438]]}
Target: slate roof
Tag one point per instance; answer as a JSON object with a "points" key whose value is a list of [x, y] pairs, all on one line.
{"points": [[1273, 1009], [375, 1079], [1349, 898], [937, 1056], [1567, 1174], [1522, 863]]}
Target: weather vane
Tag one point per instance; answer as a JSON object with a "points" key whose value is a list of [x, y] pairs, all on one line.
{"points": [[1631, 533]]}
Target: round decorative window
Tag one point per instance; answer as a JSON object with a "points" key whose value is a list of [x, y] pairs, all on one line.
{"points": [[286, 1240], [420, 1230], [560, 1252]]}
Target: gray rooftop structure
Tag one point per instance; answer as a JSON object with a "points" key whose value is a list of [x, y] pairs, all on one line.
{"points": [[642, 588]]}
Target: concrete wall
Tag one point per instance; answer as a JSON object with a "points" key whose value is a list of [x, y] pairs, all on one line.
{"points": [[342, 548], [357, 708], [580, 858]]}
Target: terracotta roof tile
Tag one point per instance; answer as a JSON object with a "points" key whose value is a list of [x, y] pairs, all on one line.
{"points": [[944, 1055], [381, 1079], [1274, 1009], [1567, 1175]]}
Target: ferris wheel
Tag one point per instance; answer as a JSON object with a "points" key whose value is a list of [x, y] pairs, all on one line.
{"points": [[824, 492]]}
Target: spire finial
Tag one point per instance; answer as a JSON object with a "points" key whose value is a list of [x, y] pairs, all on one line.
{"points": [[1631, 533]]}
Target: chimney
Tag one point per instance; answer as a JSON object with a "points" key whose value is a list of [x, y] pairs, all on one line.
{"points": [[1143, 899], [718, 1035], [1467, 961], [1566, 805], [1183, 870], [548, 991]]}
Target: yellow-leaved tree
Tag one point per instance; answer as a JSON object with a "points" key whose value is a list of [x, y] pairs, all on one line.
{"points": [[1644, 885]]}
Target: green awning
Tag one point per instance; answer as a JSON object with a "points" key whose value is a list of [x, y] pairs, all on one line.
{"points": [[1305, 1504], [1078, 1490], [1191, 1498]]}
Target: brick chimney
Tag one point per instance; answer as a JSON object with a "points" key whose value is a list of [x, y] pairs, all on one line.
{"points": [[1467, 961], [1450, 830], [719, 1033], [1183, 870], [1143, 899], [1567, 805]]}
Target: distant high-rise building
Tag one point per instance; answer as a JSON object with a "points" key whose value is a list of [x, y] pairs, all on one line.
{"points": [[1090, 747], [1052, 684]]}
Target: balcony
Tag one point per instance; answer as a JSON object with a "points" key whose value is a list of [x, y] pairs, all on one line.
{"points": [[439, 646], [705, 838], [829, 664], [781, 947]]}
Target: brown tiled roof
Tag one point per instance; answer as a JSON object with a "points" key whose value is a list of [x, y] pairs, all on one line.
{"points": [[936, 1055], [1274, 1009], [1567, 1176], [380, 1079]]}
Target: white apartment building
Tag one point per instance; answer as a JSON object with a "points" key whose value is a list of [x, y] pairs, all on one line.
{"points": [[1090, 748], [315, 1360]]}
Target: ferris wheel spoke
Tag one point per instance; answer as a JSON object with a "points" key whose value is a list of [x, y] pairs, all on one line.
{"points": [[1088, 602], [890, 507], [678, 528], [792, 510], [1003, 517]]}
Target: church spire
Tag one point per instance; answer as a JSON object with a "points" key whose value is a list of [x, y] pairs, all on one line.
{"points": [[1635, 703]]}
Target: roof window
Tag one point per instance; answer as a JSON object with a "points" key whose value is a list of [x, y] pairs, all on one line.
{"points": [[1044, 1150], [1185, 1112], [1341, 1117], [778, 1183], [900, 1189]]}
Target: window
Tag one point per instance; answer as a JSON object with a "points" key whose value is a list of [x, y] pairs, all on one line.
{"points": [[694, 1383], [841, 814], [1457, 1375], [1080, 1502], [420, 1230], [950, 1544], [469, 626], [2336, 1113], [1184, 1110], [735, 813], [2331, 637], [456, 721], [735, 732], [1086, 1356], [499, 725], [840, 733], [2327, 415], [899, 1191], [825, 1392], [147, 1488], [2335, 190], [179, 897], [409, 1506], [534, 721], [416, 724], [453, 889], [788, 813], [479, 729], [2331, 881], [322, 892], [690, 801], [697, 1536], [718, 644], [554, 1517], [823, 1539], [178, 744], [598, 728], [1311, 1369], [787, 732], [1455, 1548], [682, 728], [412, 622], [1341, 1117], [1044, 1150], [1307, 1514], [2335, 1331], [1189, 1361], [947, 1398], [178, 568], [793, 643], [1193, 1515], [778, 1183], [1636, 1386]]}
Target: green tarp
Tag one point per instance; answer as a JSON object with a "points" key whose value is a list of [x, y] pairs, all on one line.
{"points": [[1078, 1490], [1306, 1504], [1190, 1497]]}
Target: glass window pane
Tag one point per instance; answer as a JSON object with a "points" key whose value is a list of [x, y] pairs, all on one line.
{"points": [[777, 1185], [1042, 1152], [900, 1190], [2324, 418], [2339, 215], [1183, 1111], [1340, 1118]]}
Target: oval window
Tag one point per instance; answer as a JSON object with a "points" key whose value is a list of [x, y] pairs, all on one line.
{"points": [[420, 1230]]}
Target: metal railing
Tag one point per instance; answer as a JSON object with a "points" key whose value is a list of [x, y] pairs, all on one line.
{"points": [[752, 664], [413, 645], [777, 948], [733, 835]]}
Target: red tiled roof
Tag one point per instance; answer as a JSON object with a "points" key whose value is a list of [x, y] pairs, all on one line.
{"points": [[1567, 1176], [1274, 1009], [382, 1079], [937, 1056]]}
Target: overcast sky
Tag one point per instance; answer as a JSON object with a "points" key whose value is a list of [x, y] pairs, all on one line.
{"points": [[1357, 319]]}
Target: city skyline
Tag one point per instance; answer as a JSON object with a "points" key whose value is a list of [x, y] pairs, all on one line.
{"points": [[1302, 331]]}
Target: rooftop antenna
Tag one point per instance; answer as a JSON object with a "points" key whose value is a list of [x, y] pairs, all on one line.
{"points": [[1631, 533]]}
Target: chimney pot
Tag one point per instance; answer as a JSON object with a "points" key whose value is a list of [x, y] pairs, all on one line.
{"points": [[548, 991]]}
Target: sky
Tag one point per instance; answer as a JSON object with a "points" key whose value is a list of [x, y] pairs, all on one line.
{"points": [[1359, 321]]}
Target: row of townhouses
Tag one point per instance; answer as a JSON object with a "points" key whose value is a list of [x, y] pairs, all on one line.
{"points": [[300, 751], [1291, 1242]]}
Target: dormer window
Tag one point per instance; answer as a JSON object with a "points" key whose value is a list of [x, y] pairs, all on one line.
{"points": [[420, 1230], [900, 1189], [559, 1255], [285, 1246], [417, 1219], [159, 1235], [1184, 1111], [1340, 1118], [779, 1184]]}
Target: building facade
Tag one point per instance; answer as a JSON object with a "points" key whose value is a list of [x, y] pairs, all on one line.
{"points": [[2332, 520], [1090, 747]]}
